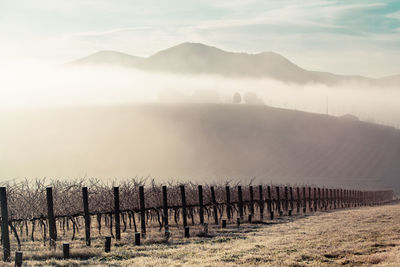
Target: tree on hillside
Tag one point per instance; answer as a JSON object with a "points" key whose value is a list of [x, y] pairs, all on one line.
{"points": [[251, 98], [237, 99]]}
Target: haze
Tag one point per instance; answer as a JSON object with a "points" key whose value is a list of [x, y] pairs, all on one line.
{"points": [[38, 86]]}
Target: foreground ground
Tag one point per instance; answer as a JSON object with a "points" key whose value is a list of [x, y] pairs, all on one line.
{"points": [[356, 237]]}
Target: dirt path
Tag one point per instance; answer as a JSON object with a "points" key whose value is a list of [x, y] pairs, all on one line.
{"points": [[358, 237]]}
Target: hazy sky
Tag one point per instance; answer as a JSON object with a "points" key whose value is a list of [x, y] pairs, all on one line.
{"points": [[345, 36]]}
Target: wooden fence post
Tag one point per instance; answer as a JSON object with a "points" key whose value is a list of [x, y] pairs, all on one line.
{"points": [[251, 200], [116, 214], [326, 199], [344, 198], [304, 200], [349, 198], [278, 201], [165, 210], [137, 239], [5, 236], [240, 202], [18, 259], [183, 199], [201, 205], [355, 198], [228, 202], [51, 218], [107, 245], [286, 199], [359, 197], [298, 199], [214, 204], [319, 199], [187, 231], [371, 198], [333, 196], [269, 203], [142, 211], [341, 198], [66, 250], [261, 203], [363, 198], [309, 200], [315, 200], [291, 200], [85, 199], [269, 199]]}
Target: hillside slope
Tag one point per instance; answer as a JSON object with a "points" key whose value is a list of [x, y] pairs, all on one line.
{"points": [[199, 142], [195, 58], [110, 58]]}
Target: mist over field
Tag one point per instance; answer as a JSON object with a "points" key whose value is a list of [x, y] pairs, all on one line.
{"points": [[33, 85], [115, 123]]}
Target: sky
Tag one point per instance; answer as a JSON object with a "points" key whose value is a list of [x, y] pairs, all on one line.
{"points": [[344, 36]]}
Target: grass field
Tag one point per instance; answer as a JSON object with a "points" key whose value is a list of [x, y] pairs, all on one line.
{"points": [[356, 237]]}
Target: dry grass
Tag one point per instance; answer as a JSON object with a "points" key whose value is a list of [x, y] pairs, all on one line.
{"points": [[358, 237]]}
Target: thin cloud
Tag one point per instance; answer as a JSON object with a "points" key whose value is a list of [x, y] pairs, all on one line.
{"points": [[100, 33], [299, 14], [395, 15]]}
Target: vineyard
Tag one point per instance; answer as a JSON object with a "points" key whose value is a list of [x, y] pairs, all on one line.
{"points": [[49, 214]]}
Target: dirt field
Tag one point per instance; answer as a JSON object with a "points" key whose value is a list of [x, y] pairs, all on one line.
{"points": [[357, 237]]}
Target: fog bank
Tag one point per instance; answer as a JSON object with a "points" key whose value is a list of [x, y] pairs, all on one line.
{"points": [[33, 85]]}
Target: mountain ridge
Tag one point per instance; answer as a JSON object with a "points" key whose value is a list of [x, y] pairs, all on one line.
{"points": [[197, 58]]}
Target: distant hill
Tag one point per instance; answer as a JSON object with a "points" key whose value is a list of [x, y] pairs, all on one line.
{"points": [[195, 58], [110, 58], [202, 142], [393, 80]]}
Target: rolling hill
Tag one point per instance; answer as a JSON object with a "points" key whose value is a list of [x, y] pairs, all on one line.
{"points": [[195, 58], [201, 142]]}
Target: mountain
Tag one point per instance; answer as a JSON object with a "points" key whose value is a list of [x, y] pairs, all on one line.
{"points": [[110, 58], [195, 58], [393, 80], [209, 143]]}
